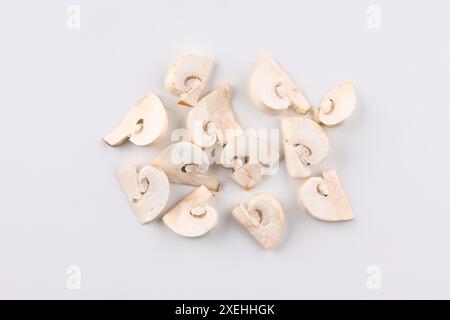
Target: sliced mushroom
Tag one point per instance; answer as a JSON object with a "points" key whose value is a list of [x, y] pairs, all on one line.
{"points": [[338, 104], [144, 124], [187, 77], [325, 199], [212, 120], [263, 217], [147, 190], [192, 216], [250, 157], [273, 91], [305, 144], [186, 163]]}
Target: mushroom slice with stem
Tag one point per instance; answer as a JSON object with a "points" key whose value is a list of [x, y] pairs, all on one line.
{"points": [[186, 163], [144, 124], [325, 199], [251, 158], [187, 77], [263, 217], [305, 144], [337, 105], [273, 91], [192, 216], [147, 190], [212, 120]]}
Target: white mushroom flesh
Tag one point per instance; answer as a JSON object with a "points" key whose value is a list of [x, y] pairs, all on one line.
{"points": [[192, 216], [338, 104]]}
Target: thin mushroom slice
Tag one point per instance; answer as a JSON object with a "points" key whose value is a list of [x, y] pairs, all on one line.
{"points": [[212, 120], [305, 144], [325, 199], [250, 158], [337, 105], [186, 163], [192, 216], [263, 217], [147, 190], [273, 91], [187, 77], [144, 124]]}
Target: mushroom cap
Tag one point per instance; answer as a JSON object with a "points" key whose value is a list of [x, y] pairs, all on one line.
{"points": [[144, 124], [263, 217], [192, 217], [305, 143], [251, 149], [338, 104], [147, 191], [325, 199], [212, 120], [186, 163], [273, 91], [187, 77]]}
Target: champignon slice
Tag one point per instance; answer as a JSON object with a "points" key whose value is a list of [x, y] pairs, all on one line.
{"points": [[186, 163], [192, 216], [212, 120], [263, 217], [338, 104], [144, 124], [147, 190], [250, 157], [305, 144], [325, 199], [273, 91], [187, 77]]}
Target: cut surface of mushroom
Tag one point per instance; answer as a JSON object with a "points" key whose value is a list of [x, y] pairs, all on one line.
{"points": [[144, 124], [250, 157], [147, 190], [212, 120], [305, 144], [325, 199], [263, 217], [273, 91], [192, 216], [338, 104], [187, 77], [186, 163]]}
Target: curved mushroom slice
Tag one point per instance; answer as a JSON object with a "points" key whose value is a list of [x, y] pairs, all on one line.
{"points": [[144, 124], [212, 120], [338, 104], [250, 157], [305, 143], [273, 91], [147, 190], [263, 217], [325, 199], [187, 77], [192, 216], [186, 163]]}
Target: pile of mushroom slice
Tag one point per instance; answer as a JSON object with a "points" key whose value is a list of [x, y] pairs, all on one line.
{"points": [[305, 142], [211, 123]]}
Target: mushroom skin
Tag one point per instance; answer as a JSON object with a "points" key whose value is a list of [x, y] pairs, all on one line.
{"points": [[249, 157], [192, 216], [263, 217], [144, 124], [325, 199], [273, 91], [147, 190], [305, 144], [186, 163], [337, 105], [212, 120], [187, 78]]}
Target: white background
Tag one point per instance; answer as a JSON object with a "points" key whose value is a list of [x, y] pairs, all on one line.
{"points": [[62, 90]]}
